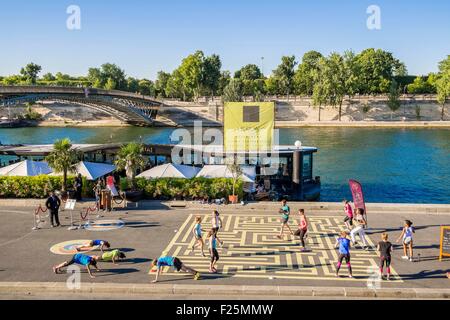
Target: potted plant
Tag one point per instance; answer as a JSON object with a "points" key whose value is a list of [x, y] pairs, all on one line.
{"points": [[236, 173], [130, 159]]}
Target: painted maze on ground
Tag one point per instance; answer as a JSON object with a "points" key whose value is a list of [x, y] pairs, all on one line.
{"points": [[252, 249]]}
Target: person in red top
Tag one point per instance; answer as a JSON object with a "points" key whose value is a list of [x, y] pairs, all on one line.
{"points": [[302, 228], [348, 220]]}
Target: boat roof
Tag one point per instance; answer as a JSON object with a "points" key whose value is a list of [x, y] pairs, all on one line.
{"points": [[44, 149]]}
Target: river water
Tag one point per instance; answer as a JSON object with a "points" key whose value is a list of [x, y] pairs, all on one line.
{"points": [[393, 165]]}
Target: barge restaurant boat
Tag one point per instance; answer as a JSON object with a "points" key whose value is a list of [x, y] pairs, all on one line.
{"points": [[288, 174]]}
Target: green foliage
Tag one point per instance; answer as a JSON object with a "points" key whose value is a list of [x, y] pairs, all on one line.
{"points": [[130, 159], [285, 74], [443, 84], [233, 91], [304, 76], [62, 158], [422, 85], [195, 188], [109, 76], [393, 97], [249, 72], [37, 186], [30, 72]]}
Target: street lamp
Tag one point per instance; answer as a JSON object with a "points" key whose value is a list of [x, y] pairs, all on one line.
{"points": [[298, 144]]}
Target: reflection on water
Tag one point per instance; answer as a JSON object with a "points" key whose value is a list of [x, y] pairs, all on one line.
{"points": [[394, 165]]}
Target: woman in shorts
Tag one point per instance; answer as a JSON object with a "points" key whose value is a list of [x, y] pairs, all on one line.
{"points": [[197, 232], [285, 212], [407, 240]]}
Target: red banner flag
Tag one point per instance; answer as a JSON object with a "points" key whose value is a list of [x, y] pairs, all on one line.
{"points": [[357, 193]]}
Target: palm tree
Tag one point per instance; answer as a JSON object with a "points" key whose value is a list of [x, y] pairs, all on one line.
{"points": [[130, 159], [62, 158]]}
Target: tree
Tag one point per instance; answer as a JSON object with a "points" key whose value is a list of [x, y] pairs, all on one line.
{"points": [[146, 87], [233, 91], [321, 89], [304, 76], [132, 84], [224, 79], [421, 85], [130, 159], [30, 72], [249, 72], [161, 83], [174, 86], [211, 74], [393, 97], [191, 71], [48, 77], [443, 84], [377, 68], [110, 84], [107, 76], [285, 74], [236, 174], [62, 158]]}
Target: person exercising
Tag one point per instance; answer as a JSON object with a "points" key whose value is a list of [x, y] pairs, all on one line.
{"points": [[94, 243], [172, 262], [80, 259]]}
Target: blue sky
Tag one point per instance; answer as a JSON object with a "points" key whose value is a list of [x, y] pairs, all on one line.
{"points": [[144, 37]]}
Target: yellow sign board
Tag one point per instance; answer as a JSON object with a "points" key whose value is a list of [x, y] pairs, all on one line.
{"points": [[248, 126]]}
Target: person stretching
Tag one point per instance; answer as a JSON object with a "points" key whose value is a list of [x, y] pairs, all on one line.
{"points": [[80, 259], [344, 253], [285, 212], [197, 232], [213, 252], [93, 243], [172, 262], [385, 249], [302, 228], [360, 222]]}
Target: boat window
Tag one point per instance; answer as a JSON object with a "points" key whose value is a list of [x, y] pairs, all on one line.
{"points": [[307, 166]]}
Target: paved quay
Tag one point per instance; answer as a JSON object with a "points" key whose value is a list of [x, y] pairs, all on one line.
{"points": [[253, 261]]}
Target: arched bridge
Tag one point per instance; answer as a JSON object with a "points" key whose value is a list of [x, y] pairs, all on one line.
{"points": [[128, 107]]}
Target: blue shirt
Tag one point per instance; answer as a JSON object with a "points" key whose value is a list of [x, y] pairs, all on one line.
{"points": [[82, 259], [344, 245], [286, 211], [165, 261], [198, 229], [97, 242], [213, 243]]}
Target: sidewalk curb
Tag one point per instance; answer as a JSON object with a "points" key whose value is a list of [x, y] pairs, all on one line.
{"points": [[329, 207], [32, 288]]}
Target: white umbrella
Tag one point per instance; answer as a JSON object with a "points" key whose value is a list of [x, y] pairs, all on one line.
{"points": [[93, 170], [220, 171], [26, 168], [170, 170]]}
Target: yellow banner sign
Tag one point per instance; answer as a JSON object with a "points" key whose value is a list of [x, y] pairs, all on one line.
{"points": [[248, 126]]}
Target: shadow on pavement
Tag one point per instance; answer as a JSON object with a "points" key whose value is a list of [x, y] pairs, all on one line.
{"points": [[425, 274], [141, 224]]}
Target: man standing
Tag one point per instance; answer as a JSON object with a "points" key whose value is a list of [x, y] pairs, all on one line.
{"points": [[78, 187], [53, 203]]}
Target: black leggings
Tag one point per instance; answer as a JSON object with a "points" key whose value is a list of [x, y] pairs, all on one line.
{"points": [[385, 261], [214, 255], [301, 233]]}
